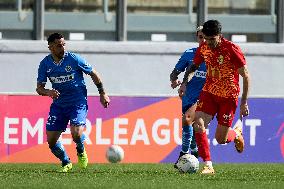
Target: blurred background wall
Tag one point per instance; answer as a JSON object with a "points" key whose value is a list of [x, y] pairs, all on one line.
{"points": [[135, 44], [140, 20], [134, 68]]}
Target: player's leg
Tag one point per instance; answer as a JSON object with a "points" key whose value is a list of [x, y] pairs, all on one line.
{"points": [[201, 123], [78, 122], [187, 129], [205, 110], [58, 150], [221, 134], [188, 139], [224, 133], [193, 145], [79, 138], [57, 123]]}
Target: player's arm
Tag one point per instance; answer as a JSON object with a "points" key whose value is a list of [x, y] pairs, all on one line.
{"points": [[189, 70], [197, 59], [41, 90], [243, 71], [180, 67], [240, 63], [41, 81], [174, 78], [104, 99]]}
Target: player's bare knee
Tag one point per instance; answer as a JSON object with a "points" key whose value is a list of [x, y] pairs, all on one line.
{"points": [[198, 128], [187, 120], [221, 140], [199, 124]]}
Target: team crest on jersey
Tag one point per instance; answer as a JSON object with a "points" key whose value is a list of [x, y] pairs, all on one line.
{"points": [[220, 59], [68, 68]]}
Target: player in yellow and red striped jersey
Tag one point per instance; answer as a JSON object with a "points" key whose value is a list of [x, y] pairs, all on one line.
{"points": [[224, 63]]}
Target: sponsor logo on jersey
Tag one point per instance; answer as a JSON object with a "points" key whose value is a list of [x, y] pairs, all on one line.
{"points": [[62, 79], [201, 74]]}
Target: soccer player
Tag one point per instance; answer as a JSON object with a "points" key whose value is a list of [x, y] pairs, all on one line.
{"points": [[224, 63], [189, 100], [65, 72]]}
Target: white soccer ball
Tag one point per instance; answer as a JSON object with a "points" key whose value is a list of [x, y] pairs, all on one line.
{"points": [[114, 154], [188, 164]]}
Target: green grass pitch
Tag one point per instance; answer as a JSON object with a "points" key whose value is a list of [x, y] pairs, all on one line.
{"points": [[256, 176]]}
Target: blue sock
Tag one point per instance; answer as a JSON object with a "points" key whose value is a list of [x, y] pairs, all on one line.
{"points": [[193, 145], [187, 133], [80, 144], [59, 151]]}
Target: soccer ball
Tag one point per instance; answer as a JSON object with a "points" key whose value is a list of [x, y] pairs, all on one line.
{"points": [[114, 154], [188, 164]]}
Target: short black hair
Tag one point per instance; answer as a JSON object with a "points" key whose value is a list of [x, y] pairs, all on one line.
{"points": [[212, 28], [51, 38]]}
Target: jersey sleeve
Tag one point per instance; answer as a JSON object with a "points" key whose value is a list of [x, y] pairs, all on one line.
{"points": [[84, 65], [238, 57], [198, 58], [185, 60], [42, 73]]}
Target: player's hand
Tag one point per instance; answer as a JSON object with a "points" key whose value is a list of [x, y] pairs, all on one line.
{"points": [[181, 90], [104, 100], [54, 94], [244, 110], [175, 83]]}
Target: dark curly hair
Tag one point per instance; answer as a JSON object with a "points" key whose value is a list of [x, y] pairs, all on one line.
{"points": [[51, 38], [212, 28]]}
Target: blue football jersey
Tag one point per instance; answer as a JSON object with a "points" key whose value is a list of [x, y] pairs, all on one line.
{"points": [[195, 85], [66, 77]]}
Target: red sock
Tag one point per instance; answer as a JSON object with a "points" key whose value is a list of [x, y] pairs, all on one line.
{"points": [[231, 136], [203, 146]]}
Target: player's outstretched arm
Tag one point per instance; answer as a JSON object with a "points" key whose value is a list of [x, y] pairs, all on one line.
{"points": [[244, 109], [174, 78], [41, 90], [104, 99], [190, 69]]}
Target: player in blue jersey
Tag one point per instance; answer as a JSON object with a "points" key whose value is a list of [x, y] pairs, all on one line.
{"points": [[193, 88], [65, 71]]}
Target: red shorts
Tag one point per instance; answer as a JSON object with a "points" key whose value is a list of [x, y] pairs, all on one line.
{"points": [[225, 108]]}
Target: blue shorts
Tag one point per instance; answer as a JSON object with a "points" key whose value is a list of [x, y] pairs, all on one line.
{"points": [[59, 117], [188, 100]]}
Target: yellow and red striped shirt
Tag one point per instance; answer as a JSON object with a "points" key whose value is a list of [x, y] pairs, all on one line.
{"points": [[222, 64]]}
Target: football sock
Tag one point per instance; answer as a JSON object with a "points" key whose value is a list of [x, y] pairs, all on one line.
{"points": [[231, 136], [59, 151], [208, 163], [80, 144], [187, 133], [193, 145], [203, 146]]}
